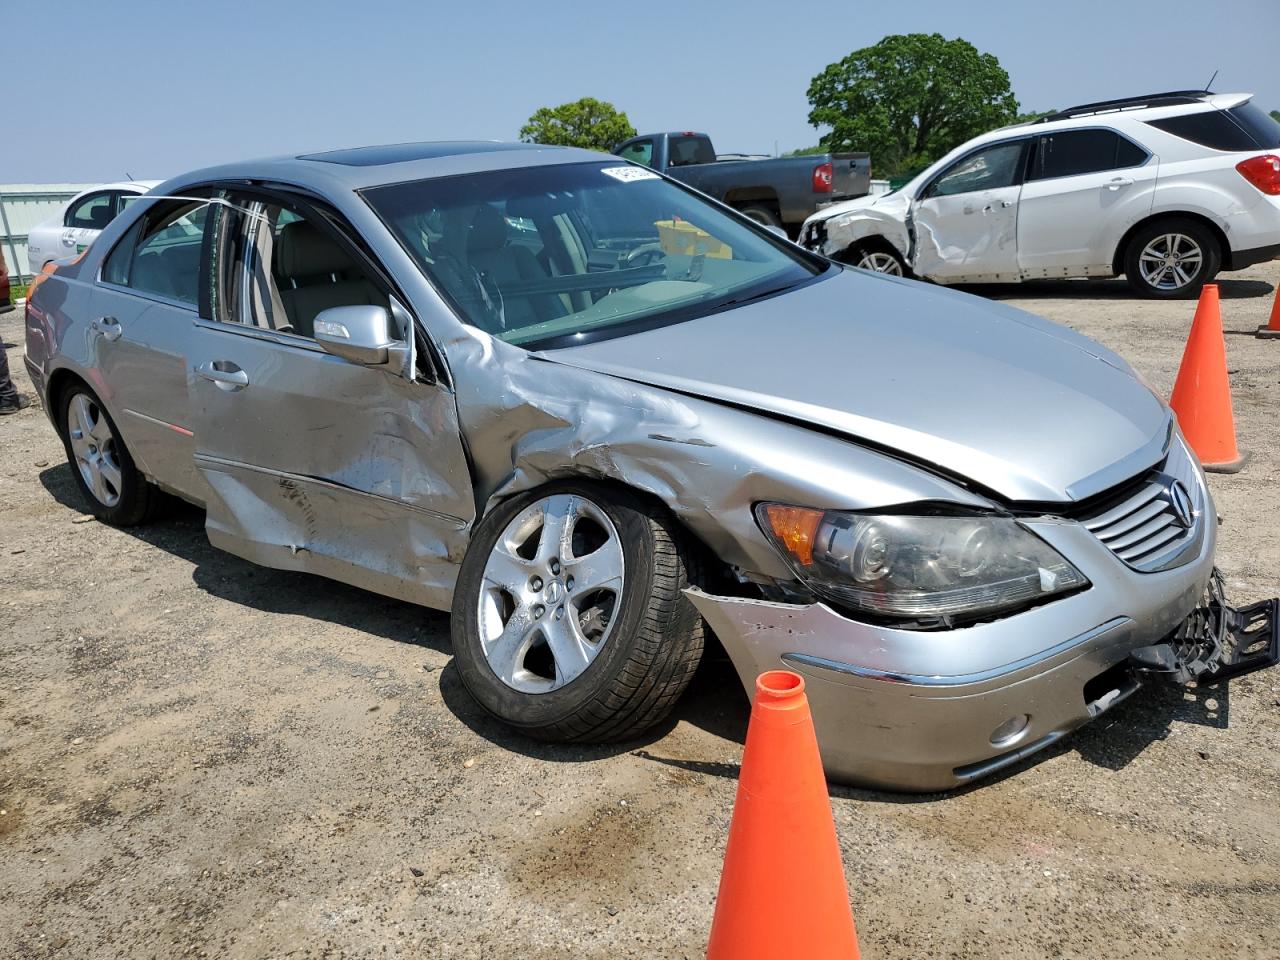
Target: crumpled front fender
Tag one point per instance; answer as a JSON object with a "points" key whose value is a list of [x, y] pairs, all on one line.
{"points": [[528, 420]]}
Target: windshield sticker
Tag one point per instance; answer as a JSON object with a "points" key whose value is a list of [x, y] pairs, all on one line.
{"points": [[629, 174]]}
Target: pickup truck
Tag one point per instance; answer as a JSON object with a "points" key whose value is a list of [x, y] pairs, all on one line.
{"points": [[780, 192]]}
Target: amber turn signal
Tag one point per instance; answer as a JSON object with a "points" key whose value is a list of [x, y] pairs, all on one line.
{"points": [[795, 528]]}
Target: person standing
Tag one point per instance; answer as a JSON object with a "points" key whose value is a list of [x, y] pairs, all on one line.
{"points": [[10, 400]]}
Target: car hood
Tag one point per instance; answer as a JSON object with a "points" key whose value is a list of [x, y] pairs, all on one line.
{"points": [[855, 206], [1023, 407]]}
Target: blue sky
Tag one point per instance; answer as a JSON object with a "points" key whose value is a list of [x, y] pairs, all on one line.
{"points": [[155, 88]]}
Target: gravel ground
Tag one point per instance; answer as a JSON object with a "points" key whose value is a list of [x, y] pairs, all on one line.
{"points": [[201, 757]]}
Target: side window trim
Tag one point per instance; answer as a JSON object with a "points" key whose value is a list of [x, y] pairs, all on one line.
{"points": [[1030, 171], [1019, 178]]}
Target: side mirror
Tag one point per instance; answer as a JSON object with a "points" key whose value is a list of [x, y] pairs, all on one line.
{"points": [[361, 334]]}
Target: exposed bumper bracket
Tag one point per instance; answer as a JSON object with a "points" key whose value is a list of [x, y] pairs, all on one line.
{"points": [[1216, 642]]}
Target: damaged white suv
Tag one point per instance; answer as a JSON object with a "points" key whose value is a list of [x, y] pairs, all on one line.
{"points": [[1167, 189]]}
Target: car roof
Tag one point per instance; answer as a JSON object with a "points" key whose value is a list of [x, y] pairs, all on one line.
{"points": [[360, 167], [133, 186]]}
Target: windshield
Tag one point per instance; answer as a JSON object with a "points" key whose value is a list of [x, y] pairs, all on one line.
{"points": [[551, 256]]}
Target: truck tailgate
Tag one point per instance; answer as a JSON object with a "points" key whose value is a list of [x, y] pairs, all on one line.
{"points": [[851, 174]]}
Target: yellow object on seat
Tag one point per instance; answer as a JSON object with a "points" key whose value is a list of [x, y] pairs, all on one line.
{"points": [[682, 237]]}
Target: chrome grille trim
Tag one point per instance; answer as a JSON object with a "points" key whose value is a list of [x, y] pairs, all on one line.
{"points": [[1143, 529]]}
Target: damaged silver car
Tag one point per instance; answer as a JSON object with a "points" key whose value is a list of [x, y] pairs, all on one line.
{"points": [[595, 414]]}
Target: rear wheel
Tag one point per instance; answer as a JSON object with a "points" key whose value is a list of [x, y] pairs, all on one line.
{"points": [[117, 493], [1172, 258], [569, 620], [761, 214]]}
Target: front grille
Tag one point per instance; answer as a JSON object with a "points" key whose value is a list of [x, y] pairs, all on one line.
{"points": [[1144, 528]]}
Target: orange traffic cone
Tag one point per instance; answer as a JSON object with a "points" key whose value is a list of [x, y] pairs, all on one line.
{"points": [[1201, 394], [782, 892], [1272, 329]]}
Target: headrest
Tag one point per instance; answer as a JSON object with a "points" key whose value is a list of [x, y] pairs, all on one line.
{"points": [[305, 251], [100, 216], [488, 230]]}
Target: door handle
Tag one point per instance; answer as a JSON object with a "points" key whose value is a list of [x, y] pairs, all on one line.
{"points": [[1006, 204], [224, 373], [109, 327], [68, 239], [1119, 182]]}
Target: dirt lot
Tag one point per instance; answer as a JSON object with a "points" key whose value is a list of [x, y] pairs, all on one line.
{"points": [[201, 757]]}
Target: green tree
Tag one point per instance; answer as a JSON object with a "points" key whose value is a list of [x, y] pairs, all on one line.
{"points": [[589, 123], [1275, 115], [910, 98]]}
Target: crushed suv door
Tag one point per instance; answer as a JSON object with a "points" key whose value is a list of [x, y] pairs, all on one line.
{"points": [[1084, 190], [315, 462], [965, 219]]}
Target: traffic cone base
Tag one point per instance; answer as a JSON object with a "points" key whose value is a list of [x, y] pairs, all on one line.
{"points": [[1201, 397], [782, 892], [1272, 327], [1230, 466]]}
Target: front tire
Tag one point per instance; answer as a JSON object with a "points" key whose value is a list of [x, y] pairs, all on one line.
{"points": [[116, 492], [569, 618], [1172, 259]]}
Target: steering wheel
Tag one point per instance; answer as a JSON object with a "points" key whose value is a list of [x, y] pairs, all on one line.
{"points": [[645, 254]]}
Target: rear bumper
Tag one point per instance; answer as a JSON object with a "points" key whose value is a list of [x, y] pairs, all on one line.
{"points": [[1240, 259], [886, 718]]}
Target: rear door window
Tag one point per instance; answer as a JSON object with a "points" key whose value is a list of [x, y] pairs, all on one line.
{"points": [[93, 212], [1072, 153], [166, 258]]}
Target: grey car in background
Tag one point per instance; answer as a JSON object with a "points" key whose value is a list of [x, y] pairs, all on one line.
{"points": [[594, 413]]}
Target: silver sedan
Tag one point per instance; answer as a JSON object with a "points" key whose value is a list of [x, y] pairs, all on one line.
{"points": [[603, 419]]}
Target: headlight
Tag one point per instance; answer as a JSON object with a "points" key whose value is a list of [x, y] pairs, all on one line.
{"points": [[918, 566]]}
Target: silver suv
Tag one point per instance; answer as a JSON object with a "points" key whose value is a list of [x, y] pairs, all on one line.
{"points": [[1166, 189]]}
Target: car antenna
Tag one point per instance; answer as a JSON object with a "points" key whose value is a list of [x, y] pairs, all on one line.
{"points": [[1209, 86], [128, 176]]}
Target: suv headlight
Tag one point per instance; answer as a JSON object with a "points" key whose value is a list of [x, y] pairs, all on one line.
{"points": [[918, 567]]}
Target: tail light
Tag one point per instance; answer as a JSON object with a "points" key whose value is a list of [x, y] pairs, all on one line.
{"points": [[1262, 172], [823, 176]]}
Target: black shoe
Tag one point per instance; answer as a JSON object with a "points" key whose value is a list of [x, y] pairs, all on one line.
{"points": [[13, 406]]}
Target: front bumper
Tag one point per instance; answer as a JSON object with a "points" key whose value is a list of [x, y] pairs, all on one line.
{"points": [[917, 710]]}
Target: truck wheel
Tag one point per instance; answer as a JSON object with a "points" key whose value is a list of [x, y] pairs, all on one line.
{"points": [[1172, 259], [762, 215], [569, 617]]}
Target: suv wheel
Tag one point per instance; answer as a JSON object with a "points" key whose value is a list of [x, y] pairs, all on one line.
{"points": [[117, 493], [879, 261], [1172, 259], [569, 620]]}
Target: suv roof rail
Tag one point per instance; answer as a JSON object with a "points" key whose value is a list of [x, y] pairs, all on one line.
{"points": [[1167, 99]]}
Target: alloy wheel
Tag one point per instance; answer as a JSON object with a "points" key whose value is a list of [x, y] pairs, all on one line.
{"points": [[549, 590], [94, 447], [1170, 261], [880, 262]]}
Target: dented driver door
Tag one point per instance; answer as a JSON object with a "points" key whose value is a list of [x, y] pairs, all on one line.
{"points": [[965, 222], [315, 462]]}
